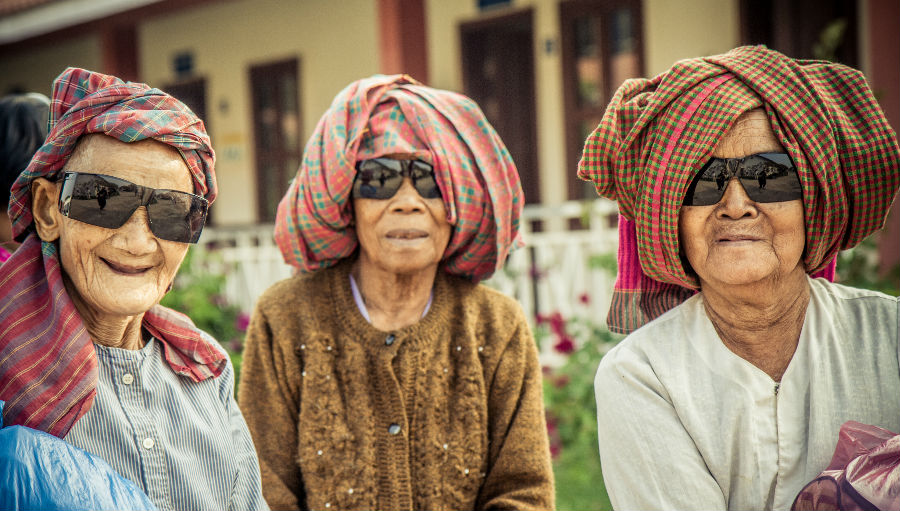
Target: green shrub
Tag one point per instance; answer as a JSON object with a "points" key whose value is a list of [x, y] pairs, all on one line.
{"points": [[198, 293], [571, 409]]}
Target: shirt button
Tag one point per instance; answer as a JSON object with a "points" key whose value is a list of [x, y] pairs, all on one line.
{"points": [[390, 339], [148, 443], [394, 429], [127, 379]]}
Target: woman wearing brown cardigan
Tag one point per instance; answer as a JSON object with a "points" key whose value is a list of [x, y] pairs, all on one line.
{"points": [[383, 376]]}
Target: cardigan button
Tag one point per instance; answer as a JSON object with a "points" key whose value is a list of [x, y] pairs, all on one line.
{"points": [[394, 429], [390, 339]]}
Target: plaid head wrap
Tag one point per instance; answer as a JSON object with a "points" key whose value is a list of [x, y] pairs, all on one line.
{"points": [[48, 367], [382, 115], [657, 133]]}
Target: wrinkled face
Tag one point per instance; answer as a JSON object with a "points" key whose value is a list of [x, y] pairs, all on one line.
{"points": [[403, 234], [739, 241], [123, 271]]}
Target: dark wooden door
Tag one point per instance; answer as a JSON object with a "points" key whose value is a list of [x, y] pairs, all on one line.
{"points": [[276, 130], [498, 73]]}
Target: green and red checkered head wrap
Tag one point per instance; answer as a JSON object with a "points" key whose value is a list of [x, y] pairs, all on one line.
{"points": [[384, 115], [657, 133], [86, 102], [48, 366]]}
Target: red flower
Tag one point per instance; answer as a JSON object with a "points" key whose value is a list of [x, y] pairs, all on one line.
{"points": [[561, 381], [565, 345], [553, 435], [557, 324], [584, 298], [242, 322]]}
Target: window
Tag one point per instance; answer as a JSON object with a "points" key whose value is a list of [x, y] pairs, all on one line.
{"points": [[601, 48]]}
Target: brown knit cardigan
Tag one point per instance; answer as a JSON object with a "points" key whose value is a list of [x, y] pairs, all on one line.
{"points": [[443, 414]]}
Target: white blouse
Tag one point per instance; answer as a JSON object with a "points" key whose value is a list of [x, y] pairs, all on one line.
{"points": [[684, 423]]}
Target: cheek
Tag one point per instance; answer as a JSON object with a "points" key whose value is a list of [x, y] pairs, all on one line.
{"points": [[791, 232], [77, 245], [174, 254], [690, 233]]}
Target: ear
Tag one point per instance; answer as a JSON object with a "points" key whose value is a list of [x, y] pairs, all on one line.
{"points": [[47, 218]]}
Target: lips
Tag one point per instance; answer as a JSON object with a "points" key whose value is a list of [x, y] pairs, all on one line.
{"points": [[126, 269], [736, 237], [406, 234]]}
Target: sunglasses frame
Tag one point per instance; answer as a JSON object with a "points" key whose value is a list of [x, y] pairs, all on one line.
{"points": [[736, 167], [147, 194], [405, 170]]}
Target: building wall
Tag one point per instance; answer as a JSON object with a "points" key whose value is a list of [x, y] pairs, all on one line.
{"points": [[681, 30], [700, 27], [35, 68], [334, 42]]}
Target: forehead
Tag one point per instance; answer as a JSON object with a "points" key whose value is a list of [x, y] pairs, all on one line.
{"points": [[750, 134], [147, 162]]}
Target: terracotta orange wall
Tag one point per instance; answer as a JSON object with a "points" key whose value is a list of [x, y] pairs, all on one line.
{"points": [[402, 38]]}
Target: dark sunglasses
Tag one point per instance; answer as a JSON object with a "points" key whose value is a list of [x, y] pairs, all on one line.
{"points": [[380, 178], [109, 202], [766, 177]]}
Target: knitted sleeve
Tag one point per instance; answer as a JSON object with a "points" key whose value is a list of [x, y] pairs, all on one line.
{"points": [[270, 407], [520, 475]]}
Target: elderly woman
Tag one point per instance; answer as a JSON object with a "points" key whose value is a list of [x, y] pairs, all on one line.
{"points": [[742, 174], [383, 376], [106, 211]]}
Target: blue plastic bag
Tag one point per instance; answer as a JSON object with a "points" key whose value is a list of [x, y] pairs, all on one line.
{"points": [[40, 471]]}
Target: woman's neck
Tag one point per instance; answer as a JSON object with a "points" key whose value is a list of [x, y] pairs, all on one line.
{"points": [[393, 301], [105, 329], [761, 326]]}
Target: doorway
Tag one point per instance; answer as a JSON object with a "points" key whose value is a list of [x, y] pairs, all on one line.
{"points": [[498, 73]]}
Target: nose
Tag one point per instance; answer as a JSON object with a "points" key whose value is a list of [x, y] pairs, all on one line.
{"points": [[134, 235], [735, 203], [407, 199]]}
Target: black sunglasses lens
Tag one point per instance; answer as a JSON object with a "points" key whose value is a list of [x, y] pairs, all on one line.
{"points": [[100, 200], [377, 179], [109, 202], [771, 178], [380, 178], [176, 216], [709, 185], [422, 175]]}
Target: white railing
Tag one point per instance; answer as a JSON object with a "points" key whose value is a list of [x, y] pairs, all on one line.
{"points": [[552, 273]]}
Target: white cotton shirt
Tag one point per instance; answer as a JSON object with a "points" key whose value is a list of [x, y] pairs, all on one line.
{"points": [[684, 423]]}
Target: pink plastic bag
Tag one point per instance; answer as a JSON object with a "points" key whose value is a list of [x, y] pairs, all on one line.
{"points": [[864, 473]]}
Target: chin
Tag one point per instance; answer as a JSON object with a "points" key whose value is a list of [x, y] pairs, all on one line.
{"points": [[129, 304]]}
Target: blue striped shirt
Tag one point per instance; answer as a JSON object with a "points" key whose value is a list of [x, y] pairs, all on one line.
{"points": [[184, 443]]}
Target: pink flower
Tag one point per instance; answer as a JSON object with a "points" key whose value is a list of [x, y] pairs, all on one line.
{"points": [[557, 324], [584, 298], [242, 322], [553, 435], [561, 381], [565, 345]]}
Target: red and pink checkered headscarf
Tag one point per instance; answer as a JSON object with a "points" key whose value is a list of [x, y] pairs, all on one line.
{"points": [[48, 367], [395, 114], [657, 133]]}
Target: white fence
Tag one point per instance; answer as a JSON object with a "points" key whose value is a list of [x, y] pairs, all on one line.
{"points": [[556, 271]]}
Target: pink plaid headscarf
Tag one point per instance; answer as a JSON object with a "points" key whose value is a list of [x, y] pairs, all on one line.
{"points": [[384, 115]]}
